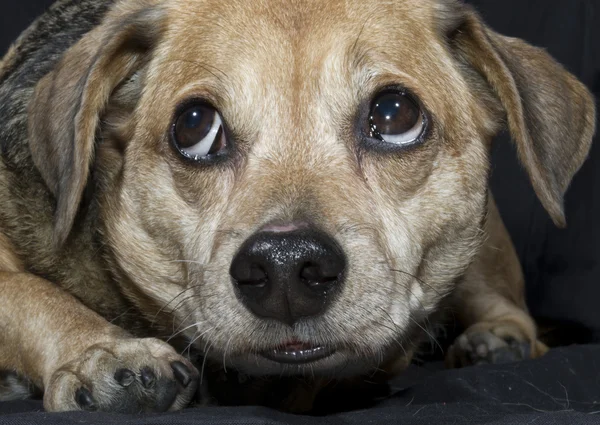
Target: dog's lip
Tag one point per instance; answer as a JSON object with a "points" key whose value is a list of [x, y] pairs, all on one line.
{"points": [[297, 352]]}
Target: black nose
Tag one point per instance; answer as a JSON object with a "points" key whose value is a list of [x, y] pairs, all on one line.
{"points": [[288, 275]]}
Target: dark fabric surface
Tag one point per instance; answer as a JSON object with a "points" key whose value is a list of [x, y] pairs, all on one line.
{"points": [[561, 388]]}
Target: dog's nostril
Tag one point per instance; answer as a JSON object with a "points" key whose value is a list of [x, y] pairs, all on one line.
{"points": [[310, 272], [254, 277], [257, 274], [253, 283], [318, 277], [288, 276]]}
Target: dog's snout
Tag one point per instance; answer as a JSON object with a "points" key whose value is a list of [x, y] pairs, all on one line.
{"points": [[288, 275]]}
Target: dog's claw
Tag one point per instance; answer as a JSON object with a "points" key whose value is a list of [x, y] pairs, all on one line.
{"points": [[148, 377], [125, 377], [483, 347], [182, 373], [84, 399]]}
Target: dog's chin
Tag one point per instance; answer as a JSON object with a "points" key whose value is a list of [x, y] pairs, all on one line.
{"points": [[299, 359]]}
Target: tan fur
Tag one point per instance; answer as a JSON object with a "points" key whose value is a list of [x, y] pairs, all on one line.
{"points": [[484, 302], [9, 262], [418, 227]]}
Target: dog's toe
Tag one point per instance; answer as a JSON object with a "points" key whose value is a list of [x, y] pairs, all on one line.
{"points": [[493, 343], [128, 376], [486, 348]]}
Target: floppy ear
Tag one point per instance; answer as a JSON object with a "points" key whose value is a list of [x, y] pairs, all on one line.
{"points": [[550, 114], [68, 104]]}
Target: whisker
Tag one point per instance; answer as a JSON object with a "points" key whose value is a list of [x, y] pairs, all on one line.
{"points": [[173, 299], [433, 338], [231, 232], [188, 262], [423, 309], [395, 330], [204, 297], [205, 353], [345, 228], [204, 363], [121, 315], [421, 281], [355, 44], [186, 299], [196, 338], [181, 331], [204, 66], [410, 291], [187, 316], [225, 354]]}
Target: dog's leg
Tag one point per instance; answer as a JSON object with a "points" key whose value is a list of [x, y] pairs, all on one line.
{"points": [[79, 359], [490, 303], [12, 386]]}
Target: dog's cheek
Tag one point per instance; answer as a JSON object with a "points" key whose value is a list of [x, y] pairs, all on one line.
{"points": [[432, 211], [454, 229], [154, 235], [374, 300]]}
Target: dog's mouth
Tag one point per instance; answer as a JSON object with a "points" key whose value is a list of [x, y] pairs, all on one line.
{"points": [[297, 352]]}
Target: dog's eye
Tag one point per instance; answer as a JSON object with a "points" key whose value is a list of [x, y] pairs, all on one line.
{"points": [[396, 118], [198, 132]]}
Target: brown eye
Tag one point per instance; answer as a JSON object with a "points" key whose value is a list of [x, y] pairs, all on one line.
{"points": [[395, 118], [198, 132]]}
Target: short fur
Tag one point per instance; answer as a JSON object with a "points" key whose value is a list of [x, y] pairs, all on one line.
{"points": [[111, 243]]}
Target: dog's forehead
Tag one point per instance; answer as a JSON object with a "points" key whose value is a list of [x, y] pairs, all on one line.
{"points": [[281, 57], [277, 34], [274, 26], [299, 16]]}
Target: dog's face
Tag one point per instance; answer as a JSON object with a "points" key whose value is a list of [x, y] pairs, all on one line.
{"points": [[295, 184]]}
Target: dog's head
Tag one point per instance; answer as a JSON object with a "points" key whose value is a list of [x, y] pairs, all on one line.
{"points": [[297, 184]]}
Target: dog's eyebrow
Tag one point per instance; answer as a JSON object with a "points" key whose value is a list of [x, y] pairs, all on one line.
{"points": [[362, 29], [360, 56], [211, 69]]}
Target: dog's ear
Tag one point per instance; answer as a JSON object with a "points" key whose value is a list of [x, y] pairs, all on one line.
{"points": [[68, 103], [550, 114]]}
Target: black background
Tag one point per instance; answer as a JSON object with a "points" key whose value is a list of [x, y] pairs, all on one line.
{"points": [[562, 267]]}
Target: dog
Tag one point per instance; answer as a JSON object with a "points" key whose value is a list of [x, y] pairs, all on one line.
{"points": [[288, 188]]}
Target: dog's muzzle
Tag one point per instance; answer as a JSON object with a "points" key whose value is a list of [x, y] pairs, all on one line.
{"points": [[288, 276]]}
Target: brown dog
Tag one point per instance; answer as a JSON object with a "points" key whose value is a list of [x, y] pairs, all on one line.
{"points": [[290, 187]]}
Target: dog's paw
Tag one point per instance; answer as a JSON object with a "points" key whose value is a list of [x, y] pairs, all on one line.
{"points": [[492, 344], [126, 376], [14, 386]]}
